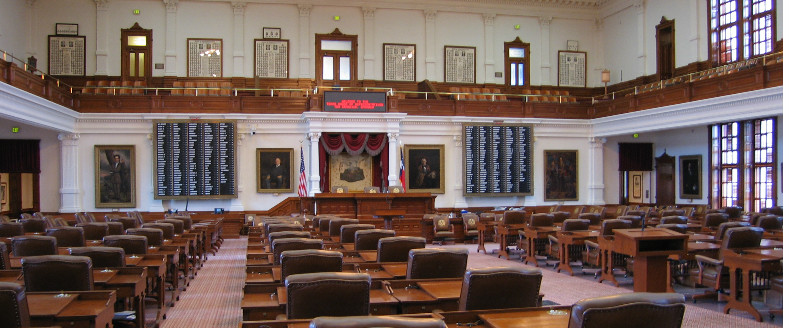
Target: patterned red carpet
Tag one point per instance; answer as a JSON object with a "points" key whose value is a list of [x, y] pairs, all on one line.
{"points": [[213, 299]]}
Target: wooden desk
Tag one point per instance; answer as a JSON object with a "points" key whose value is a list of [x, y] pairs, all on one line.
{"points": [[128, 282], [74, 309], [650, 249], [426, 295], [569, 239], [538, 317], [156, 266], [503, 232], [387, 215], [532, 235], [746, 261]]}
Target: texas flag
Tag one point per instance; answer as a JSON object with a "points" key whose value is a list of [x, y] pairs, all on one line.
{"points": [[402, 170]]}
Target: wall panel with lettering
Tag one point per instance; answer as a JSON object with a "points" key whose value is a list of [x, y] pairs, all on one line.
{"points": [[195, 159], [498, 160]]}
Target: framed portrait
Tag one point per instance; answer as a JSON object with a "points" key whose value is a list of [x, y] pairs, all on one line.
{"points": [[424, 168], [352, 173], [636, 186], [561, 174], [399, 62], [4, 193], [115, 176], [275, 169], [690, 176], [271, 32], [572, 70]]}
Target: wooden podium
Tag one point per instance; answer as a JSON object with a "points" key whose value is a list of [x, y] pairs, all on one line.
{"points": [[650, 249]]}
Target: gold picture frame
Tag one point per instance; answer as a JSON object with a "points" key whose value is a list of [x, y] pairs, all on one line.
{"points": [[274, 177], [115, 176], [561, 174], [424, 168], [353, 172]]}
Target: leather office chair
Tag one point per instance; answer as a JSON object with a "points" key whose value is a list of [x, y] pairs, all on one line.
{"points": [[646, 310], [128, 222], [80, 217], [594, 218], [94, 230], [14, 311], [283, 227], [713, 220], [185, 219], [131, 244], [396, 249], [11, 229], [368, 240], [34, 245], [712, 272], [376, 321], [5, 258], [347, 231], [67, 236], [775, 210], [178, 225], [677, 227], [137, 216], [554, 244], [674, 219], [313, 295], [34, 225], [323, 223], [290, 244], [672, 212], [102, 256], [168, 230], [427, 263], [115, 228], [634, 220], [310, 261], [722, 229], [287, 234], [155, 236], [339, 189], [733, 212], [538, 220], [500, 288], [596, 251], [52, 273], [560, 216], [471, 221], [442, 228], [770, 222], [336, 224], [4, 218]]}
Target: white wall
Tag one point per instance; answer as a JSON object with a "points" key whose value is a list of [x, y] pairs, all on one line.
{"points": [[49, 147], [14, 28]]}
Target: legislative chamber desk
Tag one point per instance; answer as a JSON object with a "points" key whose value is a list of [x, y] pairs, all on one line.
{"points": [[746, 260], [372, 207], [650, 249], [83, 309]]}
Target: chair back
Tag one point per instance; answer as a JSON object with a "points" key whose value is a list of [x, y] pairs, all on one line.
{"points": [[713, 220], [168, 229], [289, 244], [722, 229], [52, 273], [102, 256], [336, 224], [131, 244], [309, 261], [650, 310], [34, 225], [594, 218], [68, 236], [340, 189], [396, 249], [672, 212], [312, 295], [5, 258], [428, 263], [608, 225], [441, 223], [368, 240], [775, 210], [769, 222], [178, 225], [347, 231], [394, 189], [155, 236], [114, 228], [34, 245], [323, 223], [500, 288], [376, 321], [541, 220], [741, 237], [11, 229], [277, 227], [15, 312], [94, 230], [515, 217], [733, 212], [560, 216], [287, 234], [679, 219], [575, 224], [470, 220], [187, 221], [677, 227], [634, 221]]}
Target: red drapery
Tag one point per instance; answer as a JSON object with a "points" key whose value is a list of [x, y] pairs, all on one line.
{"points": [[374, 144]]}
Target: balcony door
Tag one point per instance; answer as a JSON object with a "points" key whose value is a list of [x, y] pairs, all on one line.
{"points": [[336, 59], [136, 43]]}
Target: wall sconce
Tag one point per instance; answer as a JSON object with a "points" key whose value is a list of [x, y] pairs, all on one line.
{"points": [[606, 76]]}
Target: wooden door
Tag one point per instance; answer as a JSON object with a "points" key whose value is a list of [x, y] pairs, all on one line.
{"points": [[665, 180]]}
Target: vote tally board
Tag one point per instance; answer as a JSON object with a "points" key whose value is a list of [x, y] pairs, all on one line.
{"points": [[195, 159], [498, 160]]}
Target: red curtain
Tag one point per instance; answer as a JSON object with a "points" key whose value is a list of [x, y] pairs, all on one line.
{"points": [[374, 144]]}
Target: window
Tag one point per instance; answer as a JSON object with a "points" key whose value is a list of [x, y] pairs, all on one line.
{"points": [[741, 29], [743, 164], [516, 63]]}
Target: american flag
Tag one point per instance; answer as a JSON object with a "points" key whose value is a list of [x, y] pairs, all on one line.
{"points": [[402, 171], [302, 177]]}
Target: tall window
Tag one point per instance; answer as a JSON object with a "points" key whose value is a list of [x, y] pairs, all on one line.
{"points": [[743, 164], [741, 29], [517, 63]]}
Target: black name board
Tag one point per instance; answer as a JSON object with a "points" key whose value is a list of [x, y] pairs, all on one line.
{"points": [[498, 160], [195, 159], [347, 101]]}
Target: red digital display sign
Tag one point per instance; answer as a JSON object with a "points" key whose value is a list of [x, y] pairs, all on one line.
{"points": [[345, 101]]}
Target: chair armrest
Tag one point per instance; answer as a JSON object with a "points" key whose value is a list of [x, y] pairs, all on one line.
{"points": [[704, 260]]}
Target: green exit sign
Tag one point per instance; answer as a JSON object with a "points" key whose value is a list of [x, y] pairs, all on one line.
{"points": [[15, 129]]}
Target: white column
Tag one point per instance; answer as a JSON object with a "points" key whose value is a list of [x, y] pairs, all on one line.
{"points": [[30, 13], [488, 34], [171, 67], [596, 172], [304, 42], [639, 8], [545, 50], [599, 52], [430, 44], [238, 37], [315, 177], [394, 173], [69, 173], [694, 33], [102, 25], [369, 23]]}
